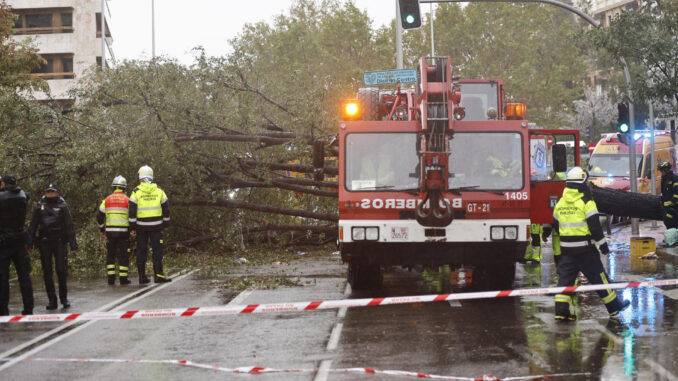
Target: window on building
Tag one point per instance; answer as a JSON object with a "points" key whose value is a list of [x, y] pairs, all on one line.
{"points": [[56, 66], [43, 21], [108, 30]]}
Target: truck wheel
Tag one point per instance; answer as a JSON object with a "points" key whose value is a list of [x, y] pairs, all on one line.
{"points": [[364, 277], [494, 277], [368, 98]]}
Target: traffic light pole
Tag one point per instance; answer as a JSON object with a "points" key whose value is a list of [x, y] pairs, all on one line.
{"points": [[632, 147], [399, 38], [635, 228]]}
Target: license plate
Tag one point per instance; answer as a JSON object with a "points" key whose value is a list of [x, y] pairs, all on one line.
{"points": [[478, 207], [400, 233]]}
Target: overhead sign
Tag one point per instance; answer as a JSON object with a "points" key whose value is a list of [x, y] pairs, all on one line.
{"points": [[390, 77]]}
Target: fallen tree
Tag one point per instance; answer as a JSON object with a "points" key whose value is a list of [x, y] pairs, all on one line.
{"points": [[627, 204]]}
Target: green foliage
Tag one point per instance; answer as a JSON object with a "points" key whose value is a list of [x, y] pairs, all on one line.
{"points": [[531, 47], [647, 40]]}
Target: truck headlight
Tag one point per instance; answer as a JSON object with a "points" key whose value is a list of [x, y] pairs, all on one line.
{"points": [[372, 233], [358, 234], [511, 232], [497, 232]]}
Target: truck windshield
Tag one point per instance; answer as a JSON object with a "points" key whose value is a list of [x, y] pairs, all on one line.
{"points": [[486, 161], [381, 162], [477, 98], [609, 165]]}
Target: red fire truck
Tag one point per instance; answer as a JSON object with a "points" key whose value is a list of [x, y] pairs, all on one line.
{"points": [[442, 174]]}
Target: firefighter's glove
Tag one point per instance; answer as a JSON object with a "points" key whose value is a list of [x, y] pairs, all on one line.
{"points": [[556, 258], [546, 232], [604, 249]]}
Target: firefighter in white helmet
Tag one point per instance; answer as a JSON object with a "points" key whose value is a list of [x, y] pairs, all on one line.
{"points": [[148, 215], [113, 220], [575, 221]]}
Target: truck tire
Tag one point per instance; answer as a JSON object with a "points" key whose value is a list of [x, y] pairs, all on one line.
{"points": [[362, 276], [494, 277], [368, 98]]}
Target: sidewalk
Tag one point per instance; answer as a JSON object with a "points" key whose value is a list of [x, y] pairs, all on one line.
{"points": [[623, 237]]}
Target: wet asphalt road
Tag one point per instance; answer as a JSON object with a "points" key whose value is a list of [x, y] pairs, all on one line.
{"points": [[499, 337]]}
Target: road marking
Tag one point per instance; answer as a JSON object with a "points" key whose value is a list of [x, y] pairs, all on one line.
{"points": [[661, 371], [130, 299], [240, 298], [63, 327], [334, 337], [323, 370]]}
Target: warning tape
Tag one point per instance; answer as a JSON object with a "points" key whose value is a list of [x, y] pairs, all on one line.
{"points": [[320, 305], [262, 370]]}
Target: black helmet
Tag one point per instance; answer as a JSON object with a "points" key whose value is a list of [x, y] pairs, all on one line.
{"points": [[664, 166], [51, 187], [8, 179]]}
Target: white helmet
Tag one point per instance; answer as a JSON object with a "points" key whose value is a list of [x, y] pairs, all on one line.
{"points": [[146, 172], [577, 175], [119, 182]]}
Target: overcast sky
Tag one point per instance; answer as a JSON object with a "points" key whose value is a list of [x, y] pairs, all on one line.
{"points": [[182, 25]]}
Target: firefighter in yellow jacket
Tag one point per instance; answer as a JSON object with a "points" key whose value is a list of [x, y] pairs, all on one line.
{"points": [[576, 223], [148, 215]]}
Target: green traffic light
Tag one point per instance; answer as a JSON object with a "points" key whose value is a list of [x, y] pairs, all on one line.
{"points": [[623, 128], [410, 19]]}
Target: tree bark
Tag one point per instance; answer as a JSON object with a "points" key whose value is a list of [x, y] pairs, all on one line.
{"points": [[301, 168], [296, 228], [237, 204], [622, 203]]}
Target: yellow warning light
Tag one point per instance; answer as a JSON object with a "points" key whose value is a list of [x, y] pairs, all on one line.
{"points": [[516, 111], [351, 110]]}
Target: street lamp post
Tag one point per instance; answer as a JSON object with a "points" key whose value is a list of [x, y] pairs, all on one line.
{"points": [[153, 28]]}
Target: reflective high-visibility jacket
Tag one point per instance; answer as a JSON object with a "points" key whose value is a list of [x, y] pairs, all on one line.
{"points": [[575, 220], [148, 208], [113, 215], [669, 185]]}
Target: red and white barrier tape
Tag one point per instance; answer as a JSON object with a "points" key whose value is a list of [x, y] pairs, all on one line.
{"points": [[262, 370], [320, 305]]}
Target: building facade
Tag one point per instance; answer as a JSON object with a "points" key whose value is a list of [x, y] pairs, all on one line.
{"points": [[68, 36], [604, 11]]}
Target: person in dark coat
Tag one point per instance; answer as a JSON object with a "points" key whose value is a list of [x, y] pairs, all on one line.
{"points": [[669, 187], [51, 230], [13, 204]]}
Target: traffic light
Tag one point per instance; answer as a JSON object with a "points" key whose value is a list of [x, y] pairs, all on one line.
{"points": [[410, 17], [623, 123]]}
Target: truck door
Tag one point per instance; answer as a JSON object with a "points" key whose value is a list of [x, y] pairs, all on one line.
{"points": [[552, 154]]}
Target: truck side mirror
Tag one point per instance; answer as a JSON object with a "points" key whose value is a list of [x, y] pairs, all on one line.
{"points": [[559, 152]]}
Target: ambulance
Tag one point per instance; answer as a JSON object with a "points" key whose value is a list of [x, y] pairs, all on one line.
{"points": [[609, 163]]}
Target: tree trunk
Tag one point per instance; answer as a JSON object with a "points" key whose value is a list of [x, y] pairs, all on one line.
{"points": [[627, 204], [237, 204]]}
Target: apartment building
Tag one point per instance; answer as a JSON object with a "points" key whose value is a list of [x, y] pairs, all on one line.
{"points": [[68, 36], [604, 11]]}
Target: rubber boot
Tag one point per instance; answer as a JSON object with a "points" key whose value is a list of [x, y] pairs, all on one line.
{"points": [[143, 279], [111, 280], [52, 305], [159, 275], [124, 280]]}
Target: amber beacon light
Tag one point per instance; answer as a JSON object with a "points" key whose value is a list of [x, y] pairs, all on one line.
{"points": [[350, 110], [516, 111]]}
